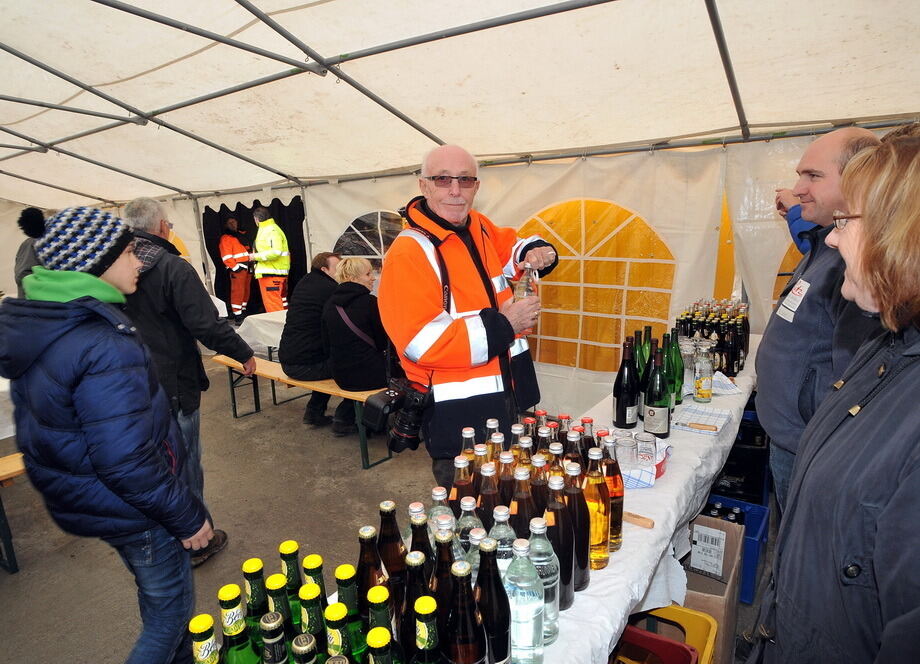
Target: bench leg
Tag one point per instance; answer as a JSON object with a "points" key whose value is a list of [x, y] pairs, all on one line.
{"points": [[271, 357], [7, 554], [238, 380], [362, 436]]}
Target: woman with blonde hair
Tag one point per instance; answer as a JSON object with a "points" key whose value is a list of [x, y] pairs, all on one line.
{"points": [[353, 334], [846, 579]]}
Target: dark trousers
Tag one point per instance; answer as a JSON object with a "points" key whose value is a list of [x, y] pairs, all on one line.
{"points": [[316, 406]]}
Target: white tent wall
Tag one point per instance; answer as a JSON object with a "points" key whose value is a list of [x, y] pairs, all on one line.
{"points": [[12, 238]]}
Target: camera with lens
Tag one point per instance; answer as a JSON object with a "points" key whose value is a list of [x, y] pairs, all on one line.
{"points": [[408, 401]]}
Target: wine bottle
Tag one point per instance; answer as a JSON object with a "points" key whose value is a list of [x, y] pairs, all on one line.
{"points": [[658, 401], [626, 390], [643, 386]]}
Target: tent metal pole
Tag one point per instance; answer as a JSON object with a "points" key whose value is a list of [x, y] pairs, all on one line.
{"points": [[58, 187], [281, 30], [26, 148], [72, 109], [207, 34], [477, 26], [719, 34], [308, 235], [199, 224]]}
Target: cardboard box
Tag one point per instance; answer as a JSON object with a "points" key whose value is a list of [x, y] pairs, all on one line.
{"points": [[719, 598]]}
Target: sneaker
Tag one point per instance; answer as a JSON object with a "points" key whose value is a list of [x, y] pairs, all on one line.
{"points": [[341, 429], [217, 544], [317, 420]]}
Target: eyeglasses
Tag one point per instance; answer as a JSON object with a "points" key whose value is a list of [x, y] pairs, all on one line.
{"points": [[841, 219], [465, 181]]}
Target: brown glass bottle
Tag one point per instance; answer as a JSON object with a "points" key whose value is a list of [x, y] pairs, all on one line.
{"points": [[465, 639], [506, 478], [573, 446], [370, 570], [442, 582], [565, 422], [421, 542], [581, 525], [538, 482], [488, 496], [463, 484], [587, 439], [392, 552], [416, 586], [492, 601], [560, 532], [616, 489], [530, 426], [522, 507]]}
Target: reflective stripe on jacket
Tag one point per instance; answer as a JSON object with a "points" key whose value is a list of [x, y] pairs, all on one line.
{"points": [[233, 252], [271, 251]]}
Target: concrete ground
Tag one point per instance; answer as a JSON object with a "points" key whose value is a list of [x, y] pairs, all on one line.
{"points": [[268, 478]]}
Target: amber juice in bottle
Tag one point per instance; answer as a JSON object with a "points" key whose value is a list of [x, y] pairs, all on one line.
{"points": [[616, 489], [523, 508], [598, 499]]}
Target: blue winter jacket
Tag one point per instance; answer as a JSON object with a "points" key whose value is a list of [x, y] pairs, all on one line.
{"points": [[93, 423]]}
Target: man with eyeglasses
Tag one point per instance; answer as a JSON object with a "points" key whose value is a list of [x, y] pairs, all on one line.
{"points": [[447, 305], [813, 332]]}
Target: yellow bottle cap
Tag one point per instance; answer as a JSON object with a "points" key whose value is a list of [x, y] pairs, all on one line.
{"points": [[200, 624], [378, 595], [313, 561], [345, 572], [336, 611], [228, 593], [288, 547], [252, 566], [378, 637], [275, 581], [309, 591], [425, 605]]}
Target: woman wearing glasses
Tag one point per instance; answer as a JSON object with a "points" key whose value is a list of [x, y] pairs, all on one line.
{"points": [[846, 576]]}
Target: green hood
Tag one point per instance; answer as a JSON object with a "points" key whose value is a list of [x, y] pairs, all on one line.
{"points": [[63, 286]]}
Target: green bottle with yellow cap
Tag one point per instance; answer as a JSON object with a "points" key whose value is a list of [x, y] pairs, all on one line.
{"points": [[275, 586], [289, 550], [378, 599], [346, 580], [204, 644], [237, 647], [338, 636], [311, 618], [313, 573], [378, 646], [428, 649], [256, 598]]}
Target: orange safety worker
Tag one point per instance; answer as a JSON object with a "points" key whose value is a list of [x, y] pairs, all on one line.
{"points": [[234, 252], [447, 305], [272, 260]]}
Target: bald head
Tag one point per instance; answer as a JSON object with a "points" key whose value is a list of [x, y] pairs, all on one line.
{"points": [[450, 201], [452, 152], [818, 187]]}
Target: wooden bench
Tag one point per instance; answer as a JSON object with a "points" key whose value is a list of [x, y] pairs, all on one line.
{"points": [[272, 371], [11, 467]]}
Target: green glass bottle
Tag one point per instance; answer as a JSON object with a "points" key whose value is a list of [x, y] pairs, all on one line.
{"points": [[428, 649], [304, 649], [289, 550], [311, 617], [204, 644], [274, 644], [658, 401], [647, 345], [638, 353], [338, 635], [677, 361], [256, 598], [378, 599], [313, 573], [346, 578], [278, 602], [237, 647], [668, 365], [380, 647]]}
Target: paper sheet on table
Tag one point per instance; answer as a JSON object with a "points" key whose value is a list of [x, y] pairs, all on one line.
{"points": [[706, 415], [722, 385]]}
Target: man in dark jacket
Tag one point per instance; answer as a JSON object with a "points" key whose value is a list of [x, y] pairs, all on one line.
{"points": [[301, 349], [173, 311]]}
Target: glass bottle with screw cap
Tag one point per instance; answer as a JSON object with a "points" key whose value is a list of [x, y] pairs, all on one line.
{"points": [[530, 426], [488, 495], [204, 644], [274, 643], [465, 638], [472, 556], [517, 430], [525, 597], [556, 460], [339, 659], [442, 583], [304, 649], [427, 643], [503, 533], [565, 421], [370, 570], [438, 507], [446, 522], [492, 427], [522, 508], [573, 446], [380, 647], [616, 490], [311, 616], [421, 542], [415, 507], [525, 452], [237, 647], [498, 444], [545, 560], [541, 416], [467, 438], [462, 486], [560, 533], [581, 525], [538, 482], [338, 635], [392, 552], [346, 580], [256, 597], [492, 601], [543, 440], [505, 477], [417, 586], [289, 550], [378, 598], [480, 458], [468, 520], [275, 585], [553, 431], [313, 573], [597, 496]]}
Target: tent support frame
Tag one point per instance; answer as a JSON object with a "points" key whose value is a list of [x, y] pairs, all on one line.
{"points": [[59, 188], [72, 109], [719, 35]]}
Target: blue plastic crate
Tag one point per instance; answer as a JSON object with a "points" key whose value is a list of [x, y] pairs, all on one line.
{"points": [[756, 531]]}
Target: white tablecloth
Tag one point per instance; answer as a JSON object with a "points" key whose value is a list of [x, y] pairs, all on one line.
{"points": [[644, 573], [263, 329]]}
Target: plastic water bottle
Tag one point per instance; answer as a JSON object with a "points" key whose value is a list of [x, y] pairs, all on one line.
{"points": [[525, 597], [547, 563], [472, 556], [502, 533]]}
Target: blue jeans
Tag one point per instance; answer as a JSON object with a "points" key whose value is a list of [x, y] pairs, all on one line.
{"points": [[192, 473], [165, 594], [781, 463]]}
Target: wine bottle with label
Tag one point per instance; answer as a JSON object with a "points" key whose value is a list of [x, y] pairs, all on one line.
{"points": [[658, 401], [626, 390], [646, 374]]}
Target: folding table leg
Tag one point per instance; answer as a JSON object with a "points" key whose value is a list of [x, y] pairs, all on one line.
{"points": [[238, 380], [7, 554], [362, 436]]}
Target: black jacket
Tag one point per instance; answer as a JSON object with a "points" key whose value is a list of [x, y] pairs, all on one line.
{"points": [[355, 364], [302, 340], [172, 310]]}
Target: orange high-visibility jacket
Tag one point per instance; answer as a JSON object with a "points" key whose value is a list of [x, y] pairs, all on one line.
{"points": [[233, 253], [458, 352]]}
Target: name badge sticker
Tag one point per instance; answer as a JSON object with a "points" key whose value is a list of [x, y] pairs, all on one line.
{"points": [[793, 300]]}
